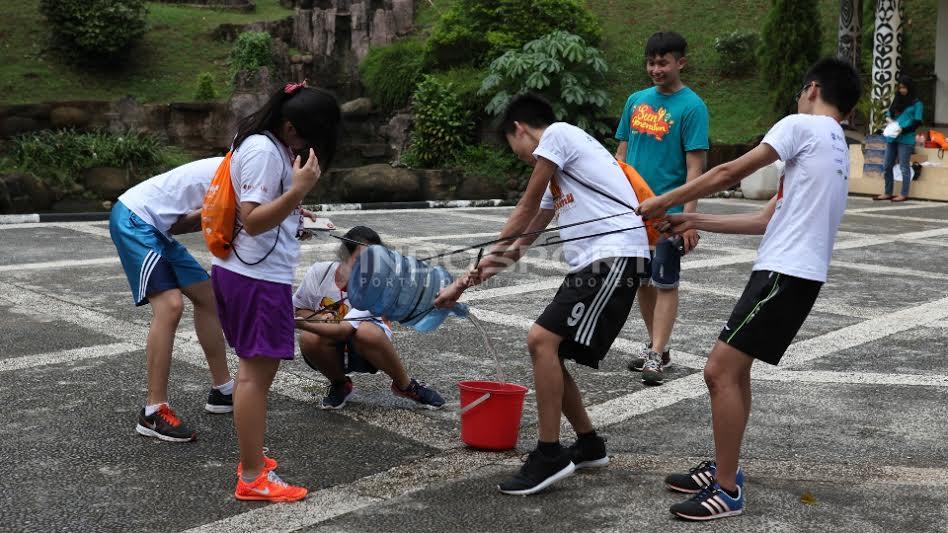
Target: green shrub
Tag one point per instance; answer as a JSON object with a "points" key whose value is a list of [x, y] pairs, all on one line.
{"points": [[251, 51], [499, 164], [791, 43], [205, 87], [443, 124], [737, 52], [477, 31], [96, 31], [561, 67], [61, 155], [390, 73], [465, 84]]}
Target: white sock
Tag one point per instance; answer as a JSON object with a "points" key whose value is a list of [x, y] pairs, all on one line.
{"points": [[226, 388], [151, 409]]}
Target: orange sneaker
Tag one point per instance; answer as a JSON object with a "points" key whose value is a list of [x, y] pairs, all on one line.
{"points": [[268, 487], [268, 465]]}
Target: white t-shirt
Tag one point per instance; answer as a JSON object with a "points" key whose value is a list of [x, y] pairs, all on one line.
{"points": [[318, 290], [261, 171], [811, 196], [163, 199], [576, 153]]}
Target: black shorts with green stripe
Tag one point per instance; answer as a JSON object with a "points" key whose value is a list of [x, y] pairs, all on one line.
{"points": [[769, 314]]}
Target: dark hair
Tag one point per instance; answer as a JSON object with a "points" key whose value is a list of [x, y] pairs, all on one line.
{"points": [[899, 102], [530, 109], [666, 42], [313, 112], [359, 234], [839, 83]]}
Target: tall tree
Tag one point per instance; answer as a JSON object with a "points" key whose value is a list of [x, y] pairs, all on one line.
{"points": [[791, 42]]}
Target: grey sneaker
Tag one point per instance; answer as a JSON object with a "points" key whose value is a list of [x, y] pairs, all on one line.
{"points": [[652, 371], [638, 362]]}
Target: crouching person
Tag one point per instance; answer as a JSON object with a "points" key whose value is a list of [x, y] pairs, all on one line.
{"points": [[336, 340]]}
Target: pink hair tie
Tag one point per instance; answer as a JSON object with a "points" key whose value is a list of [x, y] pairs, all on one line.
{"points": [[292, 88]]}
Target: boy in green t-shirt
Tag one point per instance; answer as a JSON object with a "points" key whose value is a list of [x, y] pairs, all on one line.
{"points": [[663, 133]]}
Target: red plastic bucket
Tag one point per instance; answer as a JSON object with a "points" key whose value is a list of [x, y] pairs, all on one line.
{"points": [[490, 414]]}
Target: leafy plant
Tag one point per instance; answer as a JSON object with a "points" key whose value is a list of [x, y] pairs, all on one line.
{"points": [[205, 87], [477, 31], [791, 43], [95, 31], [251, 51], [390, 73], [443, 124], [873, 110], [488, 161], [737, 52], [61, 155], [561, 67]]}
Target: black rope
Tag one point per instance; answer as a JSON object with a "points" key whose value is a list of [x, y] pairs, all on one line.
{"points": [[525, 234]]}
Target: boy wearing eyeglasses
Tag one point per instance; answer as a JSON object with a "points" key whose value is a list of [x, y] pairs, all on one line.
{"points": [[799, 226]]}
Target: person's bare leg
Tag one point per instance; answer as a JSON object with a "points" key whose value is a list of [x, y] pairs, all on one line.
{"points": [[548, 381], [207, 326], [321, 352], [375, 347], [663, 318], [166, 308], [573, 406], [646, 297], [726, 375], [250, 411]]}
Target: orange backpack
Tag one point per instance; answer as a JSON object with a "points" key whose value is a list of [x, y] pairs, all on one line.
{"points": [[938, 138], [219, 212], [642, 192]]}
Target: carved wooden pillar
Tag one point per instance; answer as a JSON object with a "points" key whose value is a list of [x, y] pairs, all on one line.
{"points": [[850, 31], [886, 51]]}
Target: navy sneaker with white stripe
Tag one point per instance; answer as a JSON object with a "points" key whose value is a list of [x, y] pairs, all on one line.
{"points": [[698, 478], [709, 504]]}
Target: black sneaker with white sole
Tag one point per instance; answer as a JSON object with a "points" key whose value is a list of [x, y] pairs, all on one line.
{"points": [[589, 452], [165, 425], [219, 403], [538, 472]]}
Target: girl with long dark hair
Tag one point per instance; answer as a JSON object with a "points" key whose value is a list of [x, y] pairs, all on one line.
{"points": [[906, 110], [278, 155]]}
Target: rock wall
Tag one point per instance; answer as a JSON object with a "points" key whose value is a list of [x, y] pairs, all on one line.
{"points": [[338, 34]]}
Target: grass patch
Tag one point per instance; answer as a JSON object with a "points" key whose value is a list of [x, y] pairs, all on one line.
{"points": [[164, 67]]}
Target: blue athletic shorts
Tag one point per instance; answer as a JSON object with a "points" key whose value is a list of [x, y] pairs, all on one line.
{"points": [[153, 263]]}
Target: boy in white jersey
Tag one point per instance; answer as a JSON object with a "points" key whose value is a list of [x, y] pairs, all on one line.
{"points": [[160, 270], [579, 181], [799, 226]]}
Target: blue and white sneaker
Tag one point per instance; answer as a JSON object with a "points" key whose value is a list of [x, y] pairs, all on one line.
{"points": [[709, 504], [697, 479]]}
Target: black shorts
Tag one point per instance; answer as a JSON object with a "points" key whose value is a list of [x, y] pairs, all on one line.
{"points": [[769, 314], [591, 307], [351, 360]]}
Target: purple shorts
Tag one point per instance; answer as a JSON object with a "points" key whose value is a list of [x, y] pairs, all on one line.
{"points": [[256, 315]]}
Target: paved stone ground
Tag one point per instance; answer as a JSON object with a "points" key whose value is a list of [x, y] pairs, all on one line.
{"points": [[855, 417]]}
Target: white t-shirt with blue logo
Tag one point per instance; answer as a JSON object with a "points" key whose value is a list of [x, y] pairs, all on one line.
{"points": [[811, 196]]}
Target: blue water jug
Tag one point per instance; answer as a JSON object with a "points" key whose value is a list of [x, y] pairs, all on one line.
{"points": [[386, 283]]}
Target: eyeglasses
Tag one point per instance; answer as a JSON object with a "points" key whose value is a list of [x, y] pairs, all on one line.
{"points": [[804, 88]]}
